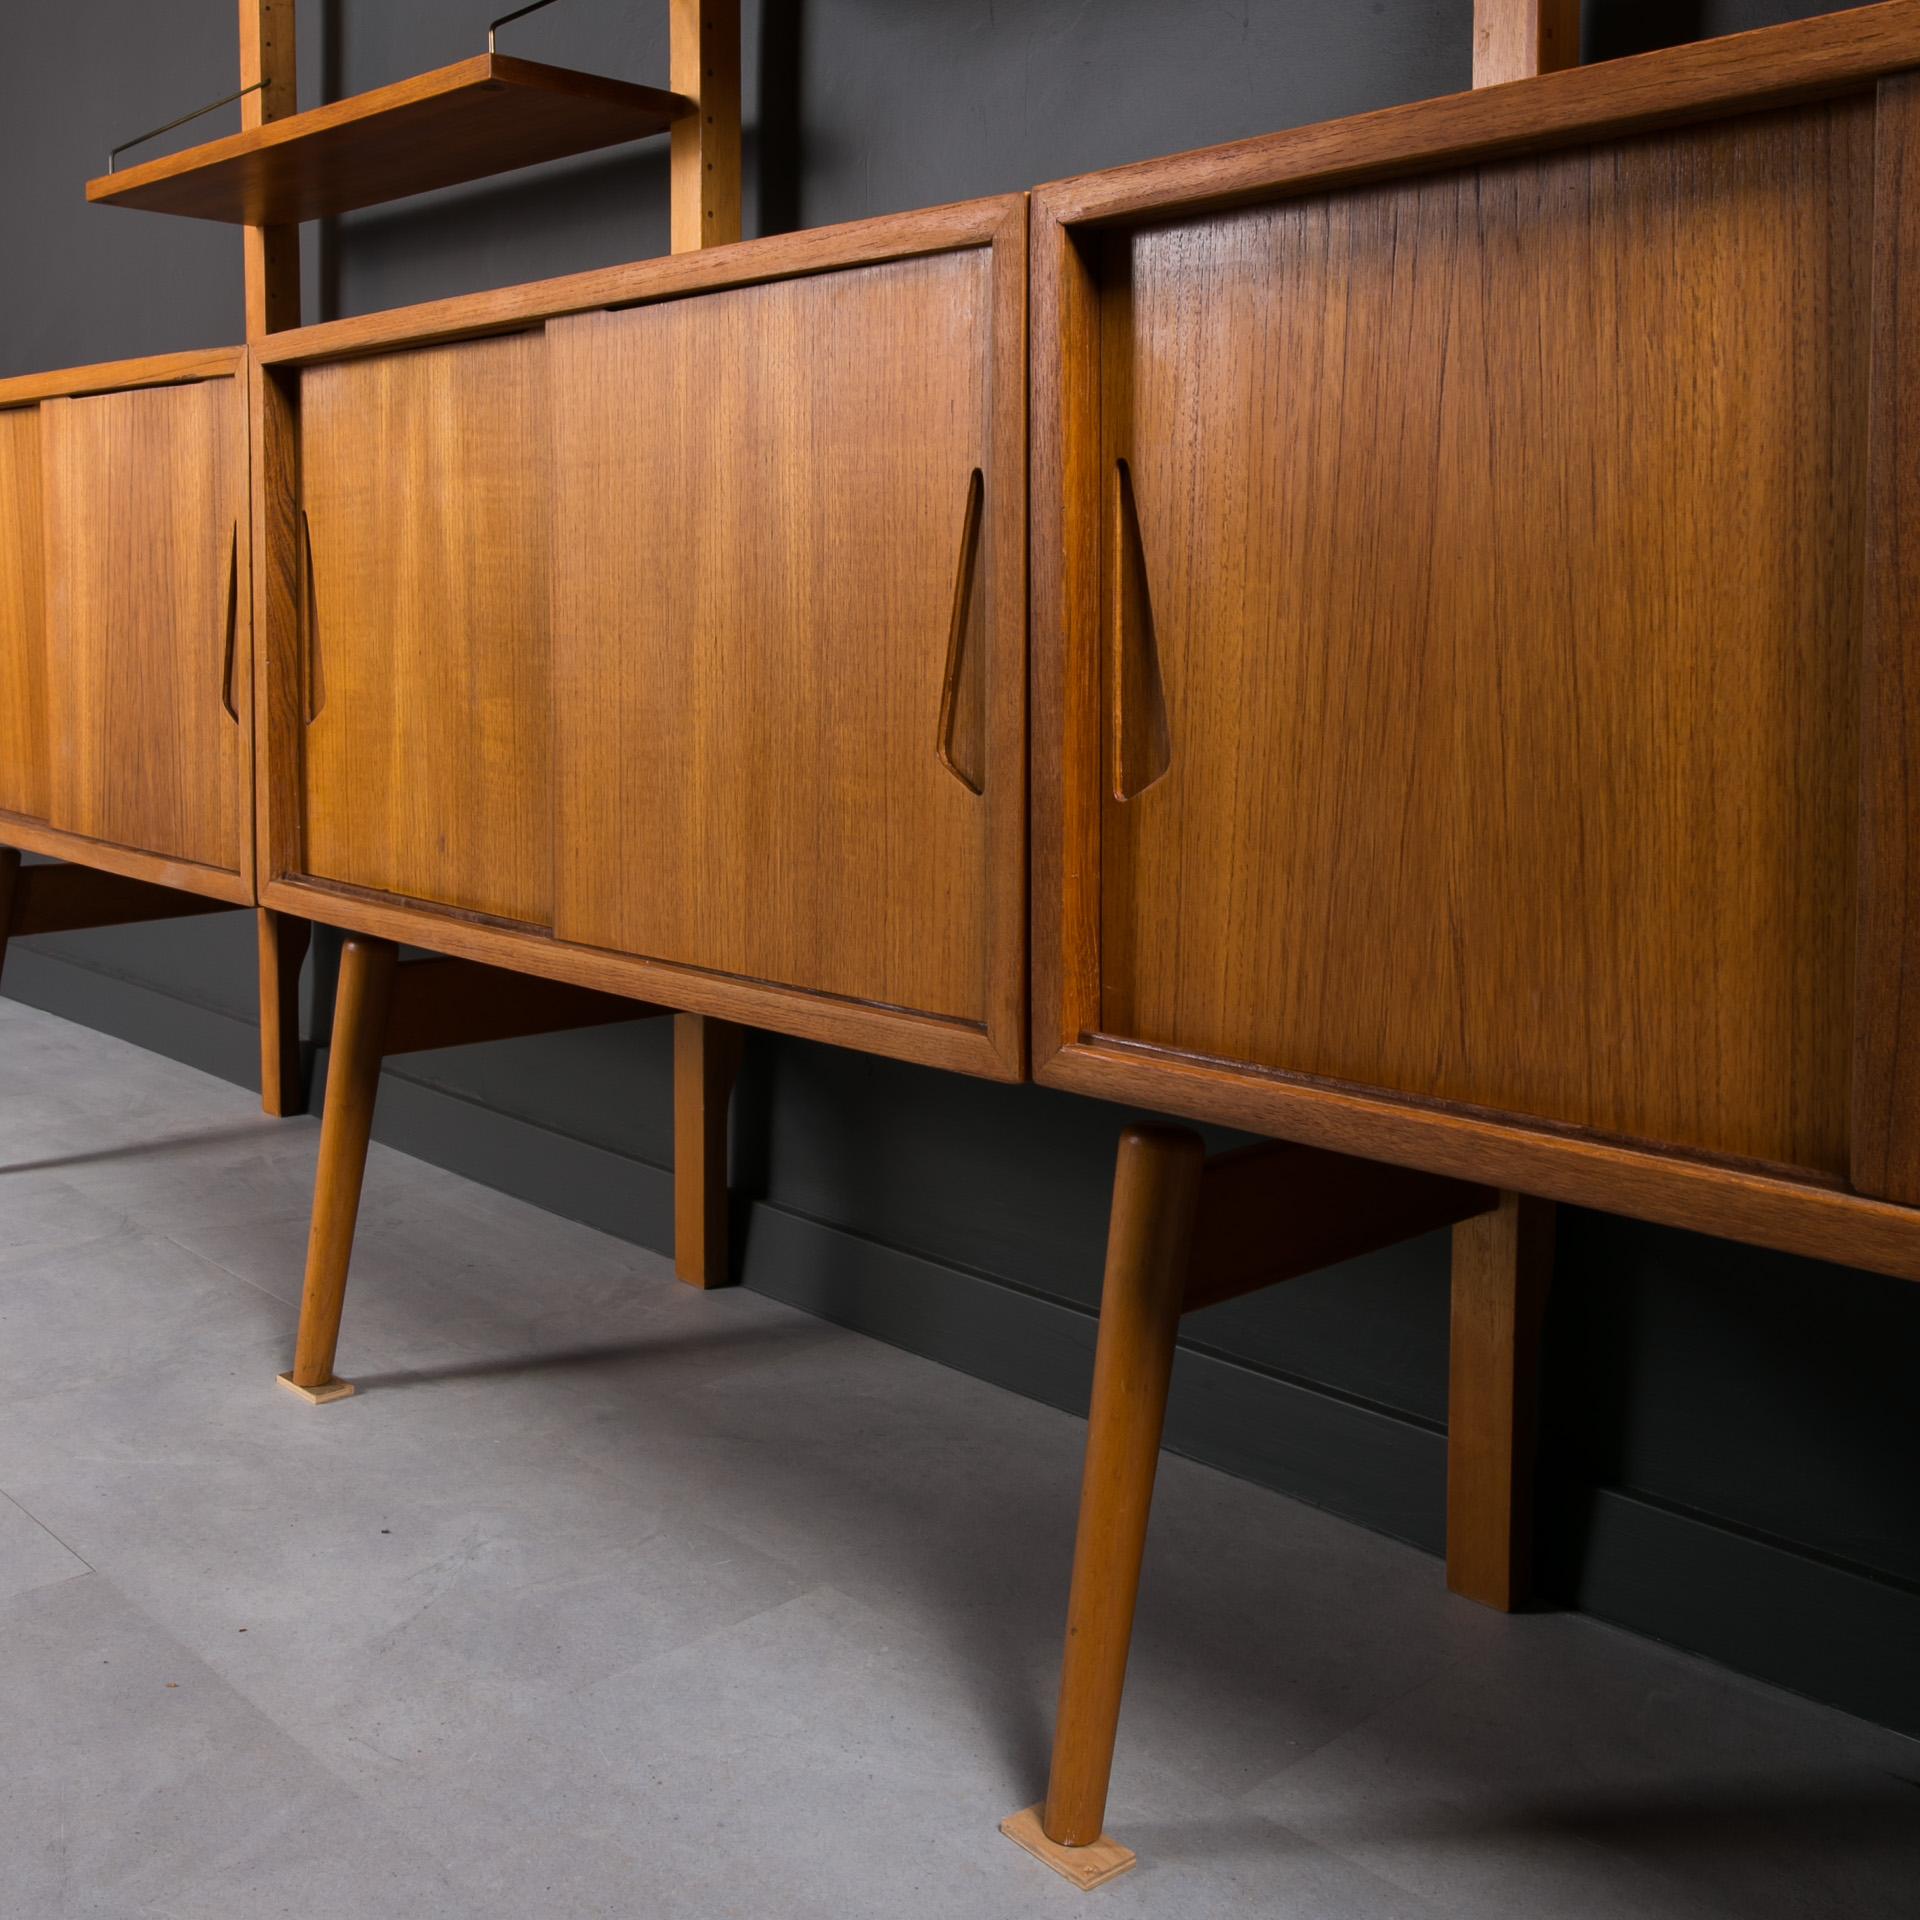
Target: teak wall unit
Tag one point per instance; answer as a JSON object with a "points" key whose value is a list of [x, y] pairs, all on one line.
{"points": [[480, 116], [1472, 714]]}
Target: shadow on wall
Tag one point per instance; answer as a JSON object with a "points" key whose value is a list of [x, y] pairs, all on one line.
{"points": [[333, 71], [426, 247], [776, 155], [1611, 29]]}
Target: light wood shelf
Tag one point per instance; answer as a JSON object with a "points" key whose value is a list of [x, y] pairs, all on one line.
{"points": [[482, 116]]}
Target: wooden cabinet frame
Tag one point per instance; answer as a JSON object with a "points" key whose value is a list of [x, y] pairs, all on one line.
{"points": [[1359, 1167], [1351, 1168], [1844, 55], [995, 1047]]}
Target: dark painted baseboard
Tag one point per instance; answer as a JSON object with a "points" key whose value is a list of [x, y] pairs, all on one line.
{"points": [[202, 1037], [1794, 1619]]}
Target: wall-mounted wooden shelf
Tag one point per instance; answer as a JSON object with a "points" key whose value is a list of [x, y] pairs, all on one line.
{"points": [[477, 117]]}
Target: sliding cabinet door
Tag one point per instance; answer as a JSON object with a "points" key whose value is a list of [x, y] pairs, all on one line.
{"points": [[144, 511], [788, 635], [23, 631], [424, 545], [1484, 598]]}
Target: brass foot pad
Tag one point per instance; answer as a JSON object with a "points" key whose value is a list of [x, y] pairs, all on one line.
{"points": [[1087, 1867], [316, 1396]]}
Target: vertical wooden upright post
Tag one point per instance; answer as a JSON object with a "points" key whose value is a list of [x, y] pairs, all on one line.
{"points": [[1502, 1264], [705, 161], [1514, 39], [283, 949], [9, 879], [706, 1061], [272, 253], [272, 257], [1503, 1261], [705, 65]]}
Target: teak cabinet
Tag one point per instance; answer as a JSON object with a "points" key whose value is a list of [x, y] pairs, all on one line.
{"points": [[1475, 707], [125, 648], [664, 630], [1470, 625], [1473, 721]]}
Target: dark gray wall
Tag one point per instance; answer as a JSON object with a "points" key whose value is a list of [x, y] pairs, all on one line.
{"points": [[1731, 1449]]}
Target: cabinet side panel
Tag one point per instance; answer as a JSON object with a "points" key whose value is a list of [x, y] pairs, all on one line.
{"points": [[1886, 1080], [1502, 545], [23, 629], [425, 495], [772, 619]]}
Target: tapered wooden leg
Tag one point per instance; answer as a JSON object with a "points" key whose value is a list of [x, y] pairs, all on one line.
{"points": [[283, 946], [1149, 1245], [9, 873], [1502, 1265], [706, 1062], [353, 1078]]}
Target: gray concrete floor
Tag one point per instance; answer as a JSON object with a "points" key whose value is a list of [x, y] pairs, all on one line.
{"points": [[605, 1597]]}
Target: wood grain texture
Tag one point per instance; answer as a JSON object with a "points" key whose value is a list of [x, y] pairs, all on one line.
{"points": [[312, 866], [64, 898], [146, 598], [424, 480], [360, 1009], [1276, 1210], [1733, 73], [1512, 690], [215, 883], [24, 773], [278, 582], [1156, 1188], [115, 376], [270, 280], [956, 1045], [442, 1002], [762, 497], [1088, 1866], [480, 116], [1886, 1043], [706, 1062], [704, 36], [270, 255], [1819, 1219], [1502, 1265], [1516, 39], [899, 236], [1069, 731], [281, 944]]}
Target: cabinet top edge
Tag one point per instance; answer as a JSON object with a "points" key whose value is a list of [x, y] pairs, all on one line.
{"points": [[1799, 63], [996, 221], [109, 376]]}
